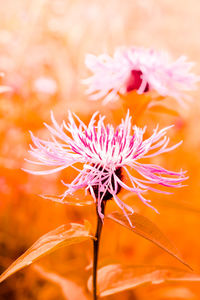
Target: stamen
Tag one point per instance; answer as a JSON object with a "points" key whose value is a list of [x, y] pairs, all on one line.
{"points": [[115, 186]]}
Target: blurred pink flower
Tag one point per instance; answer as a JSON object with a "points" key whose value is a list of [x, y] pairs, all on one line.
{"points": [[105, 154], [139, 69], [4, 88], [46, 85]]}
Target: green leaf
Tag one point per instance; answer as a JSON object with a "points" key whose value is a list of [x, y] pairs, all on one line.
{"points": [[69, 289], [117, 278], [64, 235], [185, 206], [163, 109], [179, 205], [148, 230]]}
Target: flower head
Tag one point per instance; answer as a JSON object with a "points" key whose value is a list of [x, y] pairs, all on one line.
{"points": [[105, 154], [138, 69]]}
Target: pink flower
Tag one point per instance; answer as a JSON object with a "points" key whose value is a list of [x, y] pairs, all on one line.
{"points": [[139, 69], [4, 88], [105, 154]]}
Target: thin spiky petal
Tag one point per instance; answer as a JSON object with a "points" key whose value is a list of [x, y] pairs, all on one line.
{"points": [[105, 152]]}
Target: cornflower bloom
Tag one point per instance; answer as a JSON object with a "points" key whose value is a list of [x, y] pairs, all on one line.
{"points": [[106, 154], [139, 69]]}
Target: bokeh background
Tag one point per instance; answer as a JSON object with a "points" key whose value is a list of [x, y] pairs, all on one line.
{"points": [[42, 49]]}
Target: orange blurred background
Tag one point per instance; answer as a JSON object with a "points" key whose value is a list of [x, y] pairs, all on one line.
{"points": [[42, 48]]}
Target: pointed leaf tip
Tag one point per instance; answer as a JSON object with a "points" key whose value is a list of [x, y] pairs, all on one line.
{"points": [[148, 230], [64, 235], [117, 278]]}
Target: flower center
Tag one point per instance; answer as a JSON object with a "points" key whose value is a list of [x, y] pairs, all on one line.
{"points": [[107, 194], [135, 81]]}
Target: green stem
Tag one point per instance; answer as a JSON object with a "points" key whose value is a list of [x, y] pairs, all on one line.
{"points": [[96, 250]]}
